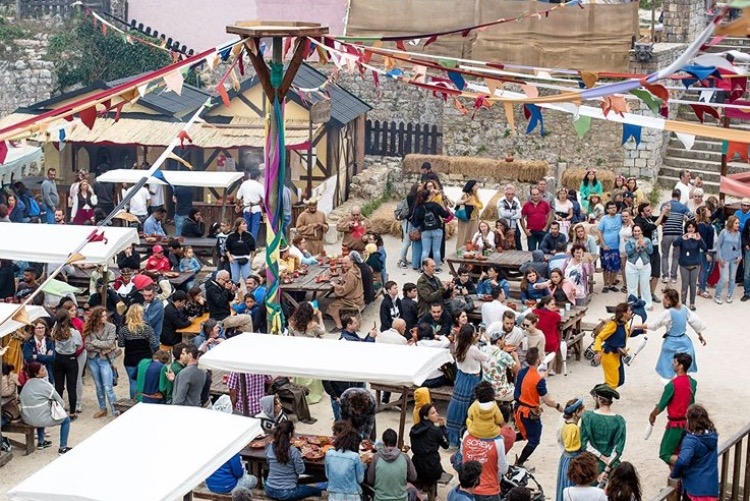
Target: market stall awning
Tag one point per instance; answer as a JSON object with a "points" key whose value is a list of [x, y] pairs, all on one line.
{"points": [[52, 243], [154, 132], [19, 162], [325, 359], [199, 179], [737, 185], [125, 461], [9, 326]]}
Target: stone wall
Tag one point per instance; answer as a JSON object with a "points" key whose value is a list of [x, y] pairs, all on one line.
{"points": [[683, 19], [26, 78]]}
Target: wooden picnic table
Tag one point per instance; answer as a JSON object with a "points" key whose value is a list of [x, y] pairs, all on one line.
{"points": [[510, 261], [192, 330], [258, 464], [307, 284]]}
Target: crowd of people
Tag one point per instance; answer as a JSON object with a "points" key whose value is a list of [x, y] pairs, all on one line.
{"points": [[503, 354]]}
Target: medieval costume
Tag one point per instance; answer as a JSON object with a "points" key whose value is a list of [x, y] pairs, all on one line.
{"points": [[678, 395], [676, 340]]}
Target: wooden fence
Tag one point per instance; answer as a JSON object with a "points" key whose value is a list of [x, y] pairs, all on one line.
{"points": [[61, 8], [396, 139], [734, 470]]}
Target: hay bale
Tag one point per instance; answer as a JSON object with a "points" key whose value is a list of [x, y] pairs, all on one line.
{"points": [[383, 221], [490, 212], [451, 229], [479, 168], [572, 178]]}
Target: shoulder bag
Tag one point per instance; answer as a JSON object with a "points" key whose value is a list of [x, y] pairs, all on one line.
{"points": [[56, 409]]}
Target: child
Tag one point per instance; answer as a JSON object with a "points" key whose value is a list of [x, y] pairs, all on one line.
{"points": [[464, 281], [372, 259], [469, 478], [409, 309], [570, 441], [190, 264], [250, 307], [221, 245], [596, 208], [484, 417], [271, 413]]}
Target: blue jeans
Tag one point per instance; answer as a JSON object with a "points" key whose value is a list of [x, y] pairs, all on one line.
{"points": [[64, 432], [49, 216], [416, 255], [239, 271], [253, 223], [728, 274], [299, 492], [286, 224], [132, 379], [535, 239], [179, 221], [336, 406], [431, 240], [406, 226], [746, 276], [707, 267], [101, 371]]}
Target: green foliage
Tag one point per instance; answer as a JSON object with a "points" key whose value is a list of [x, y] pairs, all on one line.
{"points": [[649, 4], [369, 208], [654, 196], [83, 55], [10, 32]]}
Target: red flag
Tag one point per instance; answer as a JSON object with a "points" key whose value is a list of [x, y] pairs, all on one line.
{"points": [[223, 93], [183, 135], [737, 149], [88, 116], [3, 151], [98, 237], [119, 111], [701, 109], [430, 40], [287, 45], [400, 45]]}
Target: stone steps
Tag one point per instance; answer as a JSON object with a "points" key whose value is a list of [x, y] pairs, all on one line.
{"points": [[706, 145], [694, 154]]}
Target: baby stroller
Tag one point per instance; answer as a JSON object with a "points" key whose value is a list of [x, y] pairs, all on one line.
{"points": [[520, 476], [638, 307]]}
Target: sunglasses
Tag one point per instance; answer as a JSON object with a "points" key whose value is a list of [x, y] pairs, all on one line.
{"points": [[525, 325]]}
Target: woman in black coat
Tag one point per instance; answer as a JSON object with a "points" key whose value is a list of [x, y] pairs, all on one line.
{"points": [[366, 271], [427, 436]]}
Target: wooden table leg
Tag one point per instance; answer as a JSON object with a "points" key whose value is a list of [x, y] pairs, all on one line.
{"points": [[402, 421]]}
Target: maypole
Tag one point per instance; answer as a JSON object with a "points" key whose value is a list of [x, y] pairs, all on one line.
{"points": [[276, 81]]}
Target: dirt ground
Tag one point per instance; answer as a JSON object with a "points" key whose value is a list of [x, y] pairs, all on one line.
{"points": [[724, 355]]}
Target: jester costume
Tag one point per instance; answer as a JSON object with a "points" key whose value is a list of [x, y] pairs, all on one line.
{"points": [[678, 395], [612, 342]]}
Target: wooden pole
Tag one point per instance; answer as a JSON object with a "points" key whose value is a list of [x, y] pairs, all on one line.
{"points": [[724, 167]]}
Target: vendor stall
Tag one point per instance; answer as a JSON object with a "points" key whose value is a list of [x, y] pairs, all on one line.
{"points": [[12, 325], [124, 462], [328, 359]]}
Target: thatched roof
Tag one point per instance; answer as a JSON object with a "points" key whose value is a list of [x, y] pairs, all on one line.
{"points": [[145, 131]]}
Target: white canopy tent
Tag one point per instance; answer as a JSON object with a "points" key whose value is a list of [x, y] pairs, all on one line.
{"points": [[125, 462], [52, 243], [325, 359], [24, 160], [328, 359], [10, 326], [198, 179]]}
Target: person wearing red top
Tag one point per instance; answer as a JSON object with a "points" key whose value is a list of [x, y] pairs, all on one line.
{"points": [[678, 395], [158, 261], [536, 216], [549, 321], [530, 392], [491, 454]]}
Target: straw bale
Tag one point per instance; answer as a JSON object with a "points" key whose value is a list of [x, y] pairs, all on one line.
{"points": [[472, 167], [490, 211], [572, 178], [383, 220]]}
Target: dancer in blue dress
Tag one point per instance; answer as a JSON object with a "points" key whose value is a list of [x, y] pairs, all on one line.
{"points": [[676, 317]]}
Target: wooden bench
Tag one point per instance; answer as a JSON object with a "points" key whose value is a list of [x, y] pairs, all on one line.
{"points": [[443, 394], [21, 428], [202, 492]]}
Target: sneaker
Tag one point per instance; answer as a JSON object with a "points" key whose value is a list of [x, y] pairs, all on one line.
{"points": [[63, 450], [401, 264], [614, 289], [100, 413], [605, 290], [624, 289], [5, 446], [44, 445], [744, 298], [445, 478], [665, 280], [656, 299], [692, 307], [717, 301], [729, 300], [674, 280]]}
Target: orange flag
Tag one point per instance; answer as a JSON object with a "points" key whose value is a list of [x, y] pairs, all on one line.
{"points": [[736, 148]]}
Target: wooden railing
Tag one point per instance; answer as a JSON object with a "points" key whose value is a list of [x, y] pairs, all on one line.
{"points": [[734, 470]]}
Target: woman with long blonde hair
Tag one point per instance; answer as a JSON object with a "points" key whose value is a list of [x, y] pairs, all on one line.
{"points": [[139, 341], [101, 344]]}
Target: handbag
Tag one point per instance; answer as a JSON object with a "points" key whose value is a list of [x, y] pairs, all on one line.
{"points": [[415, 235], [56, 409], [461, 214]]}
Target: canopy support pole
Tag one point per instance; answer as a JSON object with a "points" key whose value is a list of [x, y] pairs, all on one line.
{"points": [[402, 420]]}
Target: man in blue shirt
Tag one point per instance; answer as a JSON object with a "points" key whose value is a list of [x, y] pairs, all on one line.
{"points": [[152, 225], [609, 229], [743, 214], [673, 229], [153, 310], [183, 202]]}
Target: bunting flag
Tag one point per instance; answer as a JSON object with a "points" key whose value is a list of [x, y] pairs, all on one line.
{"points": [[740, 113], [3, 151], [457, 80], [582, 125], [534, 115], [701, 109], [700, 73], [88, 116], [97, 236], [589, 78], [510, 116], [734, 149], [184, 162], [630, 130], [159, 174], [185, 136], [174, 81], [653, 102], [687, 140]]}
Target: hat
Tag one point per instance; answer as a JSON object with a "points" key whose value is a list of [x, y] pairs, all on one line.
{"points": [[142, 281], [573, 408], [597, 195], [745, 201], [606, 391], [495, 330], [284, 249], [469, 186], [158, 248], [126, 272]]}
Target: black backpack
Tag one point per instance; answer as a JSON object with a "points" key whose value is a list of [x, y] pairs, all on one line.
{"points": [[430, 221]]}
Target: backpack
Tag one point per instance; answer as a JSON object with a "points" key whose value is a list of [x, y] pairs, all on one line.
{"points": [[430, 220], [34, 209], [402, 210]]}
